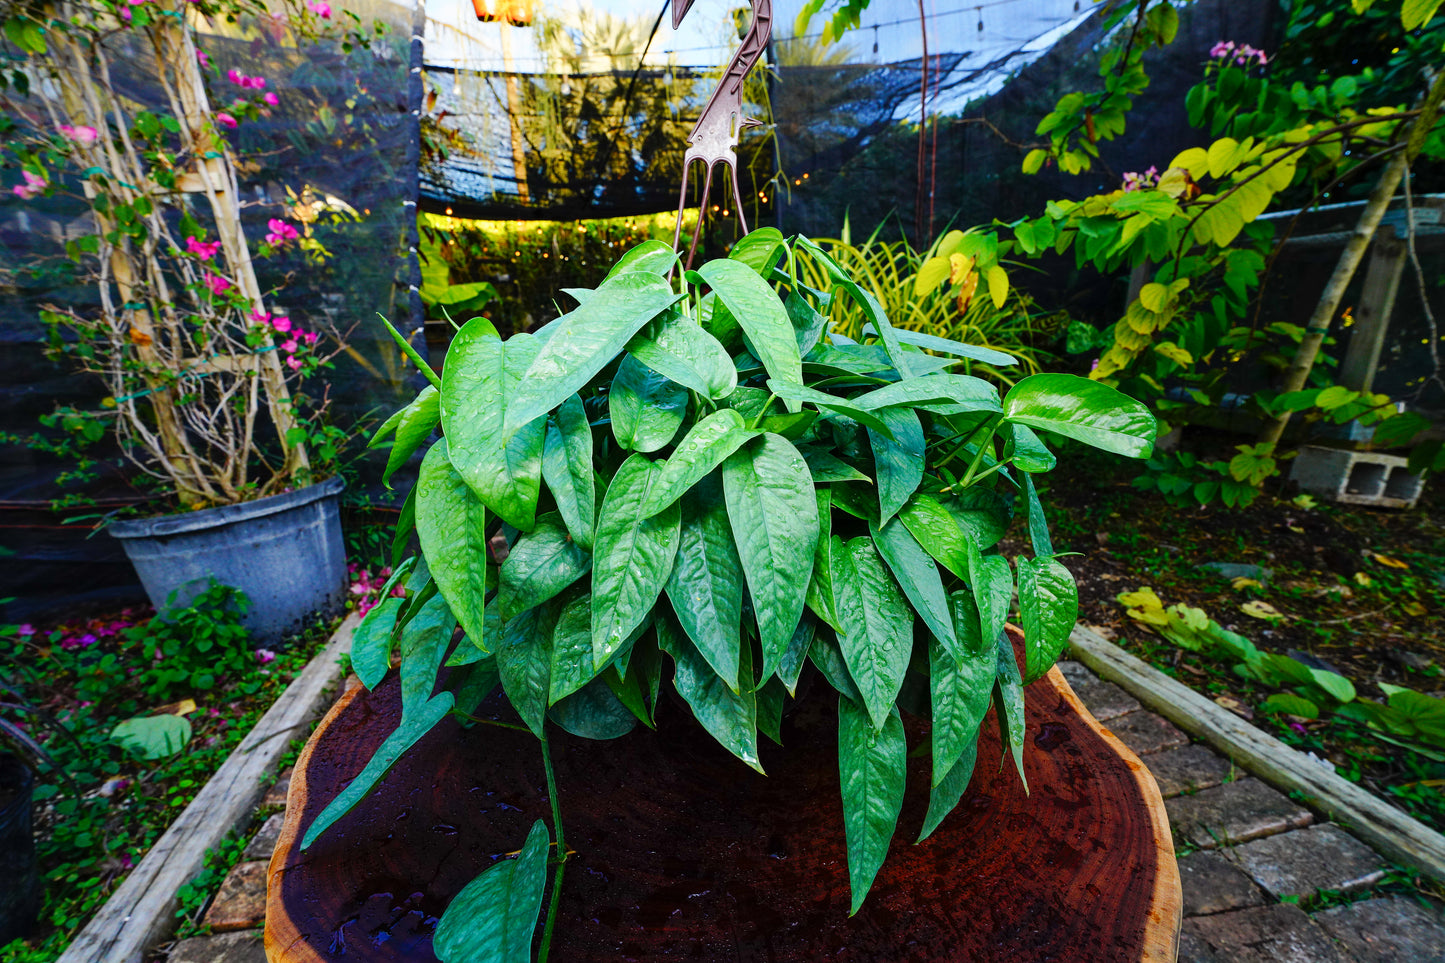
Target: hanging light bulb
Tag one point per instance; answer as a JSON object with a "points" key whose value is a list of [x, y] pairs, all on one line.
{"points": [[980, 18]]}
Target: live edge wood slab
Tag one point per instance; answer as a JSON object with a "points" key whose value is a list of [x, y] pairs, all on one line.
{"points": [[683, 853]]}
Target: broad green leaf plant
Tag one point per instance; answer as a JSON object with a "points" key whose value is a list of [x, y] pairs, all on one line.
{"points": [[701, 485]]}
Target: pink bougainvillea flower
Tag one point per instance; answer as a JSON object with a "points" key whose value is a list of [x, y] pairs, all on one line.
{"points": [[256, 83], [264, 656], [294, 363], [281, 232], [259, 316], [34, 186], [236, 77], [80, 134], [217, 284], [320, 8], [310, 337], [271, 98], [205, 250], [281, 323], [204, 59], [290, 346], [225, 119]]}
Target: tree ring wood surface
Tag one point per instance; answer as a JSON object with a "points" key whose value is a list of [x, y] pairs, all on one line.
{"points": [[683, 853]]}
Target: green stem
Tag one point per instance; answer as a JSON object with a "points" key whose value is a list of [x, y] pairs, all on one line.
{"points": [[984, 444], [561, 851], [764, 413], [410, 352]]}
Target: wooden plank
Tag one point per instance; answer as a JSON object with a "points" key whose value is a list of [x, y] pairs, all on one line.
{"points": [[1393, 833], [142, 910]]}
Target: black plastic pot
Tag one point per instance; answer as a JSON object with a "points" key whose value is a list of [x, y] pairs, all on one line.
{"points": [[284, 551], [19, 882]]}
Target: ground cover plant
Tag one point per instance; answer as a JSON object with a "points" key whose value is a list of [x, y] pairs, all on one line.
{"points": [[698, 477], [1319, 590], [151, 707]]}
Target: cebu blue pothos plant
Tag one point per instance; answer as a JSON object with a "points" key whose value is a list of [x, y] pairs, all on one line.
{"points": [[697, 480]]}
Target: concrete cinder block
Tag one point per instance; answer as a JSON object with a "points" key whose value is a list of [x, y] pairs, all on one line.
{"points": [[1356, 477]]}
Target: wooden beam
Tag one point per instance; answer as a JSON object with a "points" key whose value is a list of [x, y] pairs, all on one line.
{"points": [[142, 910], [1372, 320], [1390, 831]]}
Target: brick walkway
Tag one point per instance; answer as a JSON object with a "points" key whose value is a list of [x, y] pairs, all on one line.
{"points": [[1252, 861]]}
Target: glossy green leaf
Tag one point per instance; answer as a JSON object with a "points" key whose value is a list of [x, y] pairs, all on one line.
{"points": [[411, 729], [706, 584], [1038, 525], [958, 349], [790, 666], [494, 915], [572, 665], [1084, 410], [471, 684], [935, 529], [629, 692], [524, 660], [706, 445], [1029, 454], [871, 771], [676, 346], [959, 688], [764, 320], [405, 528], [541, 563], [451, 523], [801, 394], [593, 712], [771, 695], [993, 586], [982, 514], [424, 644], [584, 342], [808, 324], [944, 797], [1048, 607], [371, 642], [760, 249], [730, 716], [567, 469], [1010, 702], [951, 392], [632, 557], [646, 408], [650, 257], [867, 302], [414, 426], [774, 516], [877, 625], [899, 460], [828, 658], [819, 596], [826, 467], [917, 574], [481, 374]]}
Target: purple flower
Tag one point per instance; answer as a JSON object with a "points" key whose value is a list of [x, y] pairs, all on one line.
{"points": [[264, 656]]}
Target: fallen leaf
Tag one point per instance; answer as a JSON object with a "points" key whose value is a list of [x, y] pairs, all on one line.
{"points": [[1111, 577], [1392, 562], [1362, 579], [1260, 609], [139, 337], [1240, 584], [1234, 706], [1414, 608], [183, 708]]}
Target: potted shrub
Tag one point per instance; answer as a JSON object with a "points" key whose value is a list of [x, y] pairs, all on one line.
{"points": [[695, 478], [198, 368]]}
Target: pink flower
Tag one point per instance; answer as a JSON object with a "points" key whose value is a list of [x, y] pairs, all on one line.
{"points": [[289, 346], [34, 185], [260, 317], [271, 98], [225, 120], [236, 77], [82, 135], [202, 249], [281, 323], [264, 656], [217, 284], [1221, 49], [201, 56], [294, 363], [310, 337], [320, 8], [256, 83], [281, 232]]}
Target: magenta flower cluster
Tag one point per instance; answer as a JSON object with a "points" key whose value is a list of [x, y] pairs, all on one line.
{"points": [[1242, 54], [295, 337], [281, 232], [367, 587]]}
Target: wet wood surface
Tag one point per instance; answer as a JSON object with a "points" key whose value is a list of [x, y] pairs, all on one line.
{"points": [[683, 853]]}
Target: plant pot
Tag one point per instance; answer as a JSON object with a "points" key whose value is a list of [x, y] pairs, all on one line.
{"points": [[683, 853], [20, 891], [284, 551]]}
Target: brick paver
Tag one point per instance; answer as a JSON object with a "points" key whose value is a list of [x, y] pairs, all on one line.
{"points": [[240, 903], [1261, 934], [1146, 733], [1302, 863], [225, 948], [1213, 884], [1387, 931], [1233, 813], [1189, 769]]}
